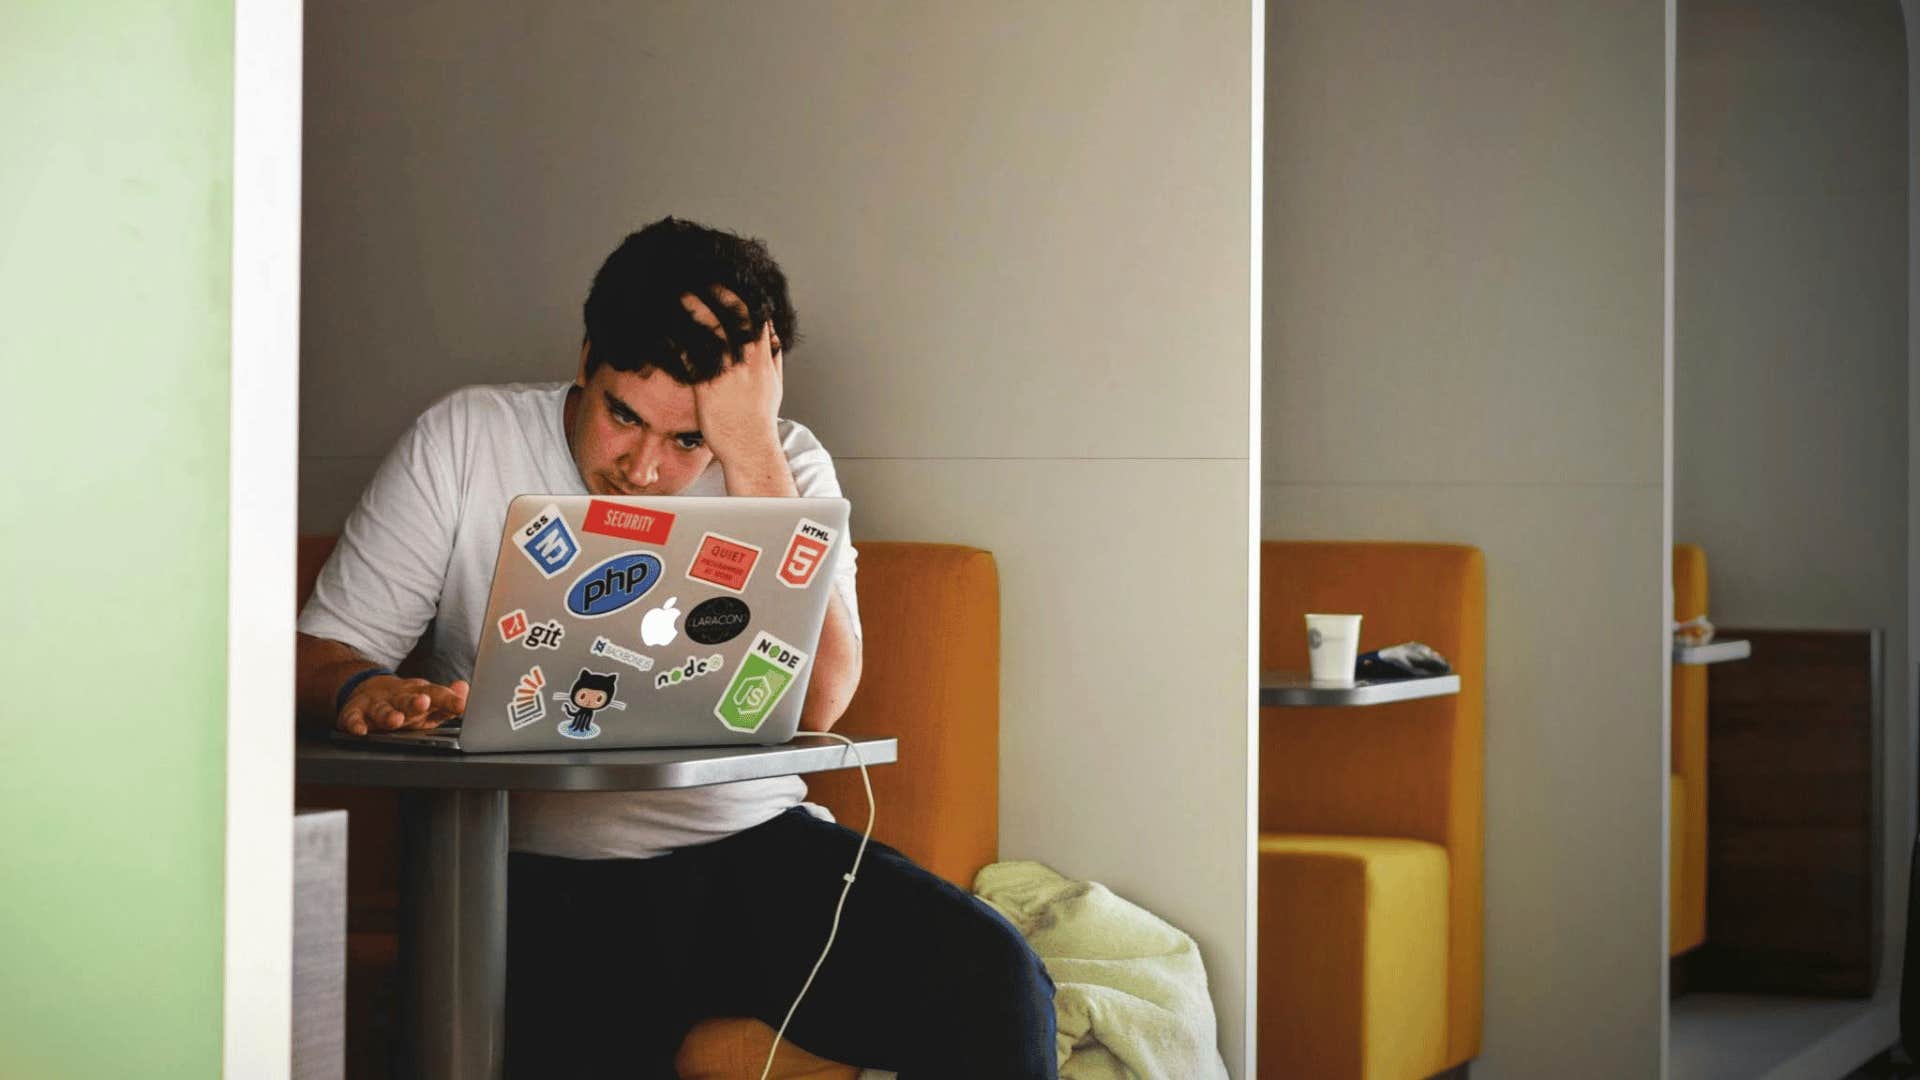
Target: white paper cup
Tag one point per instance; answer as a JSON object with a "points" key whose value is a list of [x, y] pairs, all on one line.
{"points": [[1333, 644]]}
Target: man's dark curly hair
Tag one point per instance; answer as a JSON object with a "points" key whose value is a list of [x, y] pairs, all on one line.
{"points": [[636, 322]]}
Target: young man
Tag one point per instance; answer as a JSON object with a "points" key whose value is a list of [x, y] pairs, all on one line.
{"points": [[634, 915]]}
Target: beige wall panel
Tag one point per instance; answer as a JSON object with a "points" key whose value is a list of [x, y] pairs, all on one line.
{"points": [[1575, 840], [1123, 713]]}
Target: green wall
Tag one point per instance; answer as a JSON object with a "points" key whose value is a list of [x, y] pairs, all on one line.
{"points": [[115, 232]]}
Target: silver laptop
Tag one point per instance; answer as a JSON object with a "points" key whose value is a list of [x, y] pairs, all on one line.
{"points": [[619, 622]]}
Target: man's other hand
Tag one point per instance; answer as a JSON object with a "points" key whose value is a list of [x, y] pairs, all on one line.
{"points": [[391, 703], [739, 409]]}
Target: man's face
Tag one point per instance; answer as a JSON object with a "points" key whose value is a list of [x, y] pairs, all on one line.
{"points": [[635, 434]]}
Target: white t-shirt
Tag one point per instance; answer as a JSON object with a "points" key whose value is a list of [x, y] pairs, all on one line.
{"points": [[419, 549]]}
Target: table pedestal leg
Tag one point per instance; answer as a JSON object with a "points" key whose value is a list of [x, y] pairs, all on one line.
{"points": [[453, 932]]}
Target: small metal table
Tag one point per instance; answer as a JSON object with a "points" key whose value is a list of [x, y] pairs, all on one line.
{"points": [[453, 874], [1713, 652], [1296, 689]]}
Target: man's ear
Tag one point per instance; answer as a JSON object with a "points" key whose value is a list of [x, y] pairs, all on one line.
{"points": [[580, 379]]}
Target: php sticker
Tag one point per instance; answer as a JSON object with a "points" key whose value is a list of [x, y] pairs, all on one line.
{"points": [[547, 542], [613, 584], [546, 635], [513, 625], [724, 561], [808, 548], [638, 661], [627, 522], [592, 692], [527, 705], [765, 675], [719, 619], [694, 668]]}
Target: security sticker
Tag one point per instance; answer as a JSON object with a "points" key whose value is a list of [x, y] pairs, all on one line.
{"points": [[513, 625], [627, 522], [527, 705], [547, 542], [612, 585], [592, 692], [764, 676], [695, 667], [546, 635], [724, 561], [805, 552], [717, 620], [637, 661]]}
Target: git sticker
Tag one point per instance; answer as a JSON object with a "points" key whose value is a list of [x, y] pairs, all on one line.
{"points": [[627, 522], [547, 542], [809, 546], [527, 705], [764, 676], [724, 561]]}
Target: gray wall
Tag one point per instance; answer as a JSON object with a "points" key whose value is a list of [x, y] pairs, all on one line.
{"points": [[1463, 329], [1790, 350], [1019, 241]]}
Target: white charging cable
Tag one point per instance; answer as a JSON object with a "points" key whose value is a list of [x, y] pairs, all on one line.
{"points": [[873, 811]]}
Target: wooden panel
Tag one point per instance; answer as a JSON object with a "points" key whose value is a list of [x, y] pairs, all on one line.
{"points": [[319, 944], [1791, 759]]}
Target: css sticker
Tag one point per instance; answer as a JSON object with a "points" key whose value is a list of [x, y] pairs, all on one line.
{"points": [[692, 669], [591, 692], [527, 705], [547, 542], [627, 522], [724, 561], [809, 546], [513, 625], [763, 678], [613, 584], [606, 648], [719, 619], [547, 635]]}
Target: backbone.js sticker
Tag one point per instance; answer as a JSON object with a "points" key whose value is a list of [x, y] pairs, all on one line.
{"points": [[762, 679]]}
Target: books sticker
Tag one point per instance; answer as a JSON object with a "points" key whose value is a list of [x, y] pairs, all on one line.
{"points": [[805, 552], [724, 561], [764, 676], [527, 705], [547, 542], [627, 522]]}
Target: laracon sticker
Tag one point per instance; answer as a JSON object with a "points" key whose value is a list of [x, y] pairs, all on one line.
{"points": [[547, 542], [694, 668], [592, 692], [805, 552], [722, 618], [613, 584], [637, 661], [527, 705], [765, 675], [724, 561], [546, 635], [627, 522], [513, 625]]}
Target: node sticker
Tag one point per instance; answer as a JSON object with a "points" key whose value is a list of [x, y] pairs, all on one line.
{"points": [[627, 522], [724, 561], [805, 552], [513, 625], [764, 676], [637, 661], [592, 692], [547, 542], [527, 705], [694, 668]]}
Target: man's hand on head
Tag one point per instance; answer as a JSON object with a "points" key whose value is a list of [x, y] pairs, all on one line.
{"points": [[391, 703], [740, 408]]}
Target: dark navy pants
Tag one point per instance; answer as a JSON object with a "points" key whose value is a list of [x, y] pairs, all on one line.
{"points": [[610, 962]]}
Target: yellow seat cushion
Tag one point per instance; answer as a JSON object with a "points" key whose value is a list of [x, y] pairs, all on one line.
{"points": [[734, 1048], [1353, 957]]}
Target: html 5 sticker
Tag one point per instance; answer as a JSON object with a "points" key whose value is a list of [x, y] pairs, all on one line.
{"points": [[627, 522], [724, 561], [805, 552], [547, 542]]}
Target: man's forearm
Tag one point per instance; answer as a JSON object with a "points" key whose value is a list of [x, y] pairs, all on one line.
{"points": [[836, 670], [321, 667], [763, 473]]}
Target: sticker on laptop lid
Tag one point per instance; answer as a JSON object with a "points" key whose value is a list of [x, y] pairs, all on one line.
{"points": [[513, 625], [546, 635], [695, 667], [627, 522], [638, 661], [805, 552], [528, 705], [592, 692], [718, 620], [612, 585], [724, 561], [547, 542], [763, 678]]}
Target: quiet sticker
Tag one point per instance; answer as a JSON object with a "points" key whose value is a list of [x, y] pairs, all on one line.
{"points": [[627, 522], [724, 561], [547, 542], [805, 552], [527, 705], [764, 676]]}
